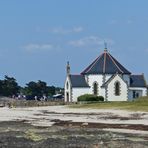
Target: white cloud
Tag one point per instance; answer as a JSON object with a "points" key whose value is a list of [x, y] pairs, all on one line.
{"points": [[123, 22], [78, 29], [91, 40], [61, 30], [38, 47]]}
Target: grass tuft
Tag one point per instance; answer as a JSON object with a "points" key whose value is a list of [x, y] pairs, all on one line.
{"points": [[33, 136]]}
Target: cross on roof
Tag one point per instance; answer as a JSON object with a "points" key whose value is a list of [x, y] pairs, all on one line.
{"points": [[105, 46]]}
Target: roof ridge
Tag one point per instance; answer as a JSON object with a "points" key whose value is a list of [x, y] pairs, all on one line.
{"points": [[104, 66], [115, 63], [94, 63], [89, 66]]}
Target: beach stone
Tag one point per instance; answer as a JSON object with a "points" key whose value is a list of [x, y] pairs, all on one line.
{"points": [[85, 124]]}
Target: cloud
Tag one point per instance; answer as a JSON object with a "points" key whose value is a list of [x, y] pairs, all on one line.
{"points": [[38, 47], [91, 40], [61, 30], [123, 22]]}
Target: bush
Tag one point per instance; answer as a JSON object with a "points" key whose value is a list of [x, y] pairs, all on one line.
{"points": [[89, 97]]}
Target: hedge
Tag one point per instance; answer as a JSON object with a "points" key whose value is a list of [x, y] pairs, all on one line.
{"points": [[89, 97]]}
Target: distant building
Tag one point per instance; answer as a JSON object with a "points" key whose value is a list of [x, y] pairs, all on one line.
{"points": [[58, 96], [106, 77]]}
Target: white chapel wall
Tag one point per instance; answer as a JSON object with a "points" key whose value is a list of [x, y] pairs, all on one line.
{"points": [[123, 90], [140, 90], [67, 89], [103, 93], [78, 91], [95, 78], [99, 79]]}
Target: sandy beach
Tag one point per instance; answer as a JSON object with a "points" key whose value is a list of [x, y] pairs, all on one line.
{"points": [[47, 116], [62, 126]]}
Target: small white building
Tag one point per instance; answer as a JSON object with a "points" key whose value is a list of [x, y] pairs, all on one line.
{"points": [[106, 77]]}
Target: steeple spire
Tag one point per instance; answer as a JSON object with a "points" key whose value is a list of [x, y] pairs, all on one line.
{"points": [[68, 68], [105, 47]]}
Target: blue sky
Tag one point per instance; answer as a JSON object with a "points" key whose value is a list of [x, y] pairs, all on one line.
{"points": [[38, 37]]}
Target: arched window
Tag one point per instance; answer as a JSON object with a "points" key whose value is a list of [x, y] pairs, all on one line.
{"points": [[117, 89], [95, 87], [67, 85]]}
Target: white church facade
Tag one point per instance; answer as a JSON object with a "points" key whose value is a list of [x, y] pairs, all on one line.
{"points": [[106, 77]]}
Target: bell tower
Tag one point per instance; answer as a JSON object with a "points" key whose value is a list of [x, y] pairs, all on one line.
{"points": [[68, 68], [105, 47]]}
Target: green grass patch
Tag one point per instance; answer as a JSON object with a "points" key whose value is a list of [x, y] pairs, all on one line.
{"points": [[32, 135], [140, 104]]}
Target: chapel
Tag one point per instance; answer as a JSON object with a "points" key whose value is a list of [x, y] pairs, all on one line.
{"points": [[106, 77]]}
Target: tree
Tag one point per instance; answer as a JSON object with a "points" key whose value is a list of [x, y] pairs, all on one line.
{"points": [[1, 87], [9, 86], [39, 88], [51, 90]]}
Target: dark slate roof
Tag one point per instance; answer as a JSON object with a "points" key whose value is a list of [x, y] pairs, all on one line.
{"points": [[105, 64], [137, 81], [78, 81]]}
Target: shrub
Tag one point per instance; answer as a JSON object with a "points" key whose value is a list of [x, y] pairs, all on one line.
{"points": [[101, 98], [89, 97]]}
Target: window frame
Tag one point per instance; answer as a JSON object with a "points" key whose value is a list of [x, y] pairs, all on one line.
{"points": [[95, 88], [67, 85], [117, 88]]}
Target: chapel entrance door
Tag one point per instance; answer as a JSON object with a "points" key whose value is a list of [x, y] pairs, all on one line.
{"points": [[134, 94], [67, 96]]}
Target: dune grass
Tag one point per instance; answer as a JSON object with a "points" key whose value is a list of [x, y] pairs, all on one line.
{"points": [[140, 104]]}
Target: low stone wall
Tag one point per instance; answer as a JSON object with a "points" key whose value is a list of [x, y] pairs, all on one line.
{"points": [[29, 103]]}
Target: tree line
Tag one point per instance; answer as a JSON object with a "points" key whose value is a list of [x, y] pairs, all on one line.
{"points": [[9, 87]]}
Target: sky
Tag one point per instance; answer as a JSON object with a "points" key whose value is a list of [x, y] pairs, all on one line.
{"points": [[38, 37]]}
